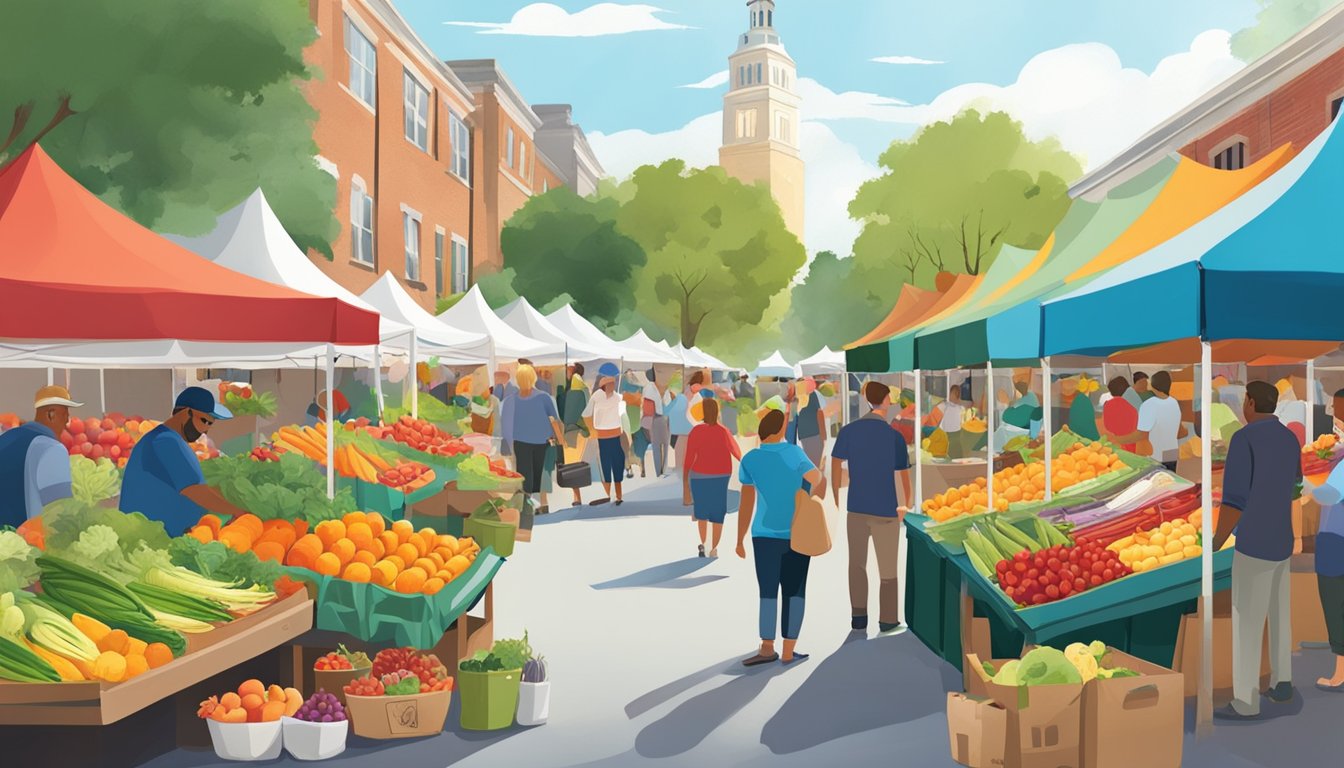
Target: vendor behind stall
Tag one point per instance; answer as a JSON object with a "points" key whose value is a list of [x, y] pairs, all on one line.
{"points": [[163, 478], [34, 466]]}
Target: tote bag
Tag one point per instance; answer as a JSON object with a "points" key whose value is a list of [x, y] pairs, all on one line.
{"points": [[810, 535]]}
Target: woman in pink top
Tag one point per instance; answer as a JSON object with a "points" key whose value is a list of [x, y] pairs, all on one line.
{"points": [[710, 450]]}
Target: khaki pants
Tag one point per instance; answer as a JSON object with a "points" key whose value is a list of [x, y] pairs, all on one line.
{"points": [[886, 535], [1259, 593]]}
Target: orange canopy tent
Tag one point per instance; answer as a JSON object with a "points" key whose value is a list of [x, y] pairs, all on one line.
{"points": [[72, 268]]}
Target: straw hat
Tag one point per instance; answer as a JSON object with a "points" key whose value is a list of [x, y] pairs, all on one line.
{"points": [[54, 395]]}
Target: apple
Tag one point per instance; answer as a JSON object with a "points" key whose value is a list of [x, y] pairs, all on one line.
{"points": [[76, 425]]}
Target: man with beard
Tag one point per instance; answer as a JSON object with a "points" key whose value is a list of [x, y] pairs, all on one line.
{"points": [[163, 478]]}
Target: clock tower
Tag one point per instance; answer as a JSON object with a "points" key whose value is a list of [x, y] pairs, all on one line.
{"points": [[761, 115]]}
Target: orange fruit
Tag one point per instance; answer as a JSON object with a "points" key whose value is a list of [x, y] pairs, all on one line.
{"points": [[251, 523], [396, 562], [411, 580], [377, 548], [432, 585], [457, 565], [157, 654], [310, 542], [231, 701], [445, 575], [426, 565], [408, 552], [272, 711], [360, 534], [344, 550], [404, 530], [428, 539], [446, 540], [328, 564], [300, 557], [351, 518], [202, 534], [437, 559], [237, 539], [364, 556], [136, 665], [252, 686], [275, 693], [269, 550], [376, 523], [330, 531], [212, 522], [389, 541], [357, 572], [383, 573]]}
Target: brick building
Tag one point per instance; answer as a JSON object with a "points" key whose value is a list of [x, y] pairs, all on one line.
{"points": [[430, 159], [1289, 95]]}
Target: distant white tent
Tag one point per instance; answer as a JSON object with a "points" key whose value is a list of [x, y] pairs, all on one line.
{"points": [[697, 358], [435, 339], [524, 318], [775, 365], [641, 349], [472, 314], [825, 362], [578, 327]]}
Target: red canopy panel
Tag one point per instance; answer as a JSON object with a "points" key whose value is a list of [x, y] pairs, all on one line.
{"points": [[73, 268]]}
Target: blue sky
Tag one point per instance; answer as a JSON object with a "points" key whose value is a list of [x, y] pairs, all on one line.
{"points": [[1095, 73]]}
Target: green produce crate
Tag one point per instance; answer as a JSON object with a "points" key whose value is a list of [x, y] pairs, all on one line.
{"points": [[488, 699], [376, 497], [493, 534]]}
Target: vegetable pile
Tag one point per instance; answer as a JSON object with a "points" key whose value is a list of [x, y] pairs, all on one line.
{"points": [[1077, 663], [291, 488], [1058, 572], [94, 480], [505, 654], [343, 658], [402, 672]]}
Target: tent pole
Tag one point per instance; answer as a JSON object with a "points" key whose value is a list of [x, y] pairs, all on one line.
{"points": [[51, 376], [330, 414], [415, 376], [1311, 402], [67, 378], [989, 433], [1204, 717], [919, 441], [378, 379], [1047, 425], [102, 390]]}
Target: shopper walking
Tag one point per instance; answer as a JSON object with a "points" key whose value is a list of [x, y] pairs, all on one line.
{"points": [[654, 420], [572, 402], [1330, 562], [534, 422], [812, 422], [604, 417], [771, 476], [878, 459], [710, 450], [1260, 479], [679, 426]]}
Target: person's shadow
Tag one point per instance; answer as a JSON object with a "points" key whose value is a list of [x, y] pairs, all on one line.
{"points": [[665, 576], [691, 722], [864, 685]]}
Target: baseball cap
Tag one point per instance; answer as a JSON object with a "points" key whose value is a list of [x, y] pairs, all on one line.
{"points": [[54, 395], [609, 370], [199, 399]]}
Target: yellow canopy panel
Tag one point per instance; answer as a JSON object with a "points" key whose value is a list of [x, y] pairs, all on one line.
{"points": [[912, 302]]}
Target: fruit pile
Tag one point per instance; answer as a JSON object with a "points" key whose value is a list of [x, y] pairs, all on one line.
{"points": [[268, 540], [1319, 457], [321, 707], [1058, 572], [253, 703], [402, 671], [266, 453], [350, 459], [1167, 509], [113, 437], [343, 658], [423, 436], [1026, 482], [407, 475], [1168, 543]]}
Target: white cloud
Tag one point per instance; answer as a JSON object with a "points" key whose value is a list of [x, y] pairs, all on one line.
{"points": [[716, 80], [548, 20], [821, 103], [904, 60]]}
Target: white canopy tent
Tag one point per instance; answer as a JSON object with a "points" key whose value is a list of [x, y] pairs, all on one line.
{"points": [[639, 348], [697, 358], [521, 316], [775, 365], [825, 362], [578, 327], [435, 338], [473, 315]]}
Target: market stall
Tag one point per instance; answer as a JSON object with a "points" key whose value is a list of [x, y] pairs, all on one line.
{"points": [[472, 314], [776, 366], [520, 315]]}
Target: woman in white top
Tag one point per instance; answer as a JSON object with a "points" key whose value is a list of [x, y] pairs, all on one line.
{"points": [[603, 414]]}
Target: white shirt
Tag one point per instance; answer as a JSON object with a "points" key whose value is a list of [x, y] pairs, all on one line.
{"points": [[952, 413], [1160, 417], [651, 393], [605, 410]]}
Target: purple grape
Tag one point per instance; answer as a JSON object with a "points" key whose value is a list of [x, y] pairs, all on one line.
{"points": [[326, 718], [338, 717]]}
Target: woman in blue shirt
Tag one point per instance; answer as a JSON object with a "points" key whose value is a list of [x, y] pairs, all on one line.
{"points": [[533, 422], [771, 476]]}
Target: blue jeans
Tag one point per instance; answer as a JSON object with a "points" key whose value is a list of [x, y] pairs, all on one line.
{"points": [[780, 570], [612, 457]]}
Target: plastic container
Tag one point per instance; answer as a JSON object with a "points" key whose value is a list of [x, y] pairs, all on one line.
{"points": [[489, 699], [490, 533], [398, 717], [534, 703], [314, 741], [245, 741]]}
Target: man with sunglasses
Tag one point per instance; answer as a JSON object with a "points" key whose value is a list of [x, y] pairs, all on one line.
{"points": [[163, 478]]}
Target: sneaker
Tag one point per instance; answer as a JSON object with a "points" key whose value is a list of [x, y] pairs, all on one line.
{"points": [[1281, 693], [858, 623], [890, 629], [714, 552], [1230, 713], [701, 549]]}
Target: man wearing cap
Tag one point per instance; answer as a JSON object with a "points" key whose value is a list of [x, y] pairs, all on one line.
{"points": [[34, 466], [163, 476]]}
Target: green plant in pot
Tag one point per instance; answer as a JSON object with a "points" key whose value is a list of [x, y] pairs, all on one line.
{"points": [[489, 683], [489, 528]]}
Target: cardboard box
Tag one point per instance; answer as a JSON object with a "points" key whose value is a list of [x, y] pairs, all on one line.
{"points": [[976, 639], [976, 683], [977, 730], [398, 717], [1045, 722], [1134, 720], [451, 501], [1186, 660], [1308, 616]]}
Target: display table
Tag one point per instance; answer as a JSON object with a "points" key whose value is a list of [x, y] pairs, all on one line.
{"points": [[941, 475]]}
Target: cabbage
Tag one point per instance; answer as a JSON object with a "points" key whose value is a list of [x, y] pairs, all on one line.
{"points": [[1107, 674], [92, 481], [18, 562], [1083, 660], [1007, 674], [1047, 666]]}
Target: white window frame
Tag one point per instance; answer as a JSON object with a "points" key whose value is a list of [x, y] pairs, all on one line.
{"points": [[545, 186], [508, 150], [440, 239], [360, 201], [1230, 143], [415, 103], [459, 264], [522, 161], [460, 137], [411, 221], [354, 31], [746, 123]]}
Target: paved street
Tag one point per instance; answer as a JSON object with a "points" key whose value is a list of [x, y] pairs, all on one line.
{"points": [[643, 640]]}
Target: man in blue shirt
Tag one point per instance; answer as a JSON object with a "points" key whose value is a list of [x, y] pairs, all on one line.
{"points": [[878, 459], [34, 466], [1264, 466], [163, 478]]}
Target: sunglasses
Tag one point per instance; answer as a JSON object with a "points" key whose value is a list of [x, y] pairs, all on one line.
{"points": [[206, 421]]}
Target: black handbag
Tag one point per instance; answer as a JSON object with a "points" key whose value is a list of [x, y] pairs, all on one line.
{"points": [[576, 475]]}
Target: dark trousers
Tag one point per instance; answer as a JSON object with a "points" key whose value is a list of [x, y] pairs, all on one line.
{"points": [[1332, 605], [612, 457], [531, 458], [781, 575]]}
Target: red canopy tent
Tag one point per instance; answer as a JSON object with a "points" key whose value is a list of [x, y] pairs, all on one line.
{"points": [[72, 268]]}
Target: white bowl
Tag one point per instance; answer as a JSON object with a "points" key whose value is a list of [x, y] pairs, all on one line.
{"points": [[245, 741], [314, 741]]}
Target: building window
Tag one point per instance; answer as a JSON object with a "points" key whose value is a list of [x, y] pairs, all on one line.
{"points": [[522, 161], [545, 186], [438, 261], [363, 63], [508, 147], [782, 127], [741, 76], [461, 139], [1334, 107], [461, 263], [416, 121], [758, 73], [770, 19], [411, 230], [1231, 159], [746, 123], [361, 224]]}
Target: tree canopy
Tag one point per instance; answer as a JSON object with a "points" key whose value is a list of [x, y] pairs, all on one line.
{"points": [[1277, 21]]}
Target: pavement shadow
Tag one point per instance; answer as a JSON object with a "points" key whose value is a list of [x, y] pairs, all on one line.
{"points": [[659, 501], [666, 575], [862, 686], [682, 729], [666, 693]]}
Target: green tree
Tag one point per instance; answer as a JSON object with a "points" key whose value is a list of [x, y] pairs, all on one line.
{"points": [[1277, 21], [956, 192], [832, 306], [497, 288], [170, 111], [562, 244], [718, 250]]}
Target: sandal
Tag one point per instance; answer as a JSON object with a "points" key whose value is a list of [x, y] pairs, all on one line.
{"points": [[758, 659], [1330, 688], [598, 502], [796, 657]]}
